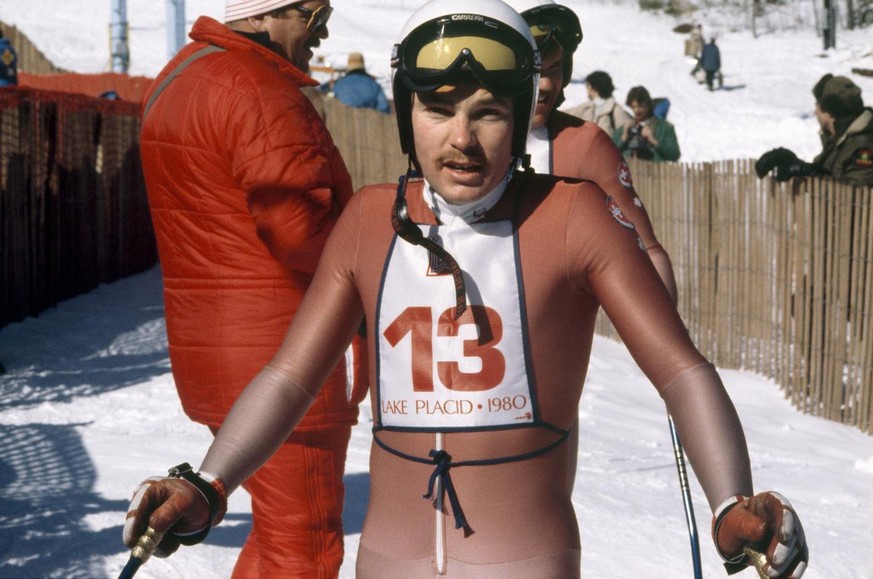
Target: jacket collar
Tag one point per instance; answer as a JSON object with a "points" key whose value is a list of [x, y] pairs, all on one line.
{"points": [[211, 31]]}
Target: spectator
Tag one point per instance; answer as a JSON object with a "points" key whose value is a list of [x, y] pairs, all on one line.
{"points": [[244, 188], [846, 135], [710, 60], [646, 136], [479, 418], [8, 62], [358, 89], [601, 108]]}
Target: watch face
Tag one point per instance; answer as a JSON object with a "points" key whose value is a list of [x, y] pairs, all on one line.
{"points": [[177, 470]]}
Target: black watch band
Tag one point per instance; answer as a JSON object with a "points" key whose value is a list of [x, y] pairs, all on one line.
{"points": [[185, 471]]}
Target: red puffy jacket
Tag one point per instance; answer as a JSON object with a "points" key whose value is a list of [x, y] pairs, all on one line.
{"points": [[244, 185]]}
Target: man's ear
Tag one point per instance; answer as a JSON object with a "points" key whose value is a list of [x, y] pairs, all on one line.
{"points": [[258, 23]]}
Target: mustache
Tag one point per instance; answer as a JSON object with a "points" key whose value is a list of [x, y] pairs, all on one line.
{"points": [[468, 158]]}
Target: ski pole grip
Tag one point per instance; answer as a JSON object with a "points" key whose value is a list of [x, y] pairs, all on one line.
{"points": [[758, 560], [140, 553], [146, 545]]}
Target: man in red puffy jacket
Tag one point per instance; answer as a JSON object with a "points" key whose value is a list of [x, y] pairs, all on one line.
{"points": [[245, 184]]}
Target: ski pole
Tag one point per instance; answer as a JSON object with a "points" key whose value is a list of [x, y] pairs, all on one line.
{"points": [[440, 529], [686, 498], [141, 552], [758, 560]]}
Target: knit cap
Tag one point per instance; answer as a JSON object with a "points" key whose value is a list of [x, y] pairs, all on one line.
{"points": [[838, 96], [239, 9]]}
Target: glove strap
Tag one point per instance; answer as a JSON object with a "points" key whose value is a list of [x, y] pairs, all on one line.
{"points": [[741, 561], [212, 490]]}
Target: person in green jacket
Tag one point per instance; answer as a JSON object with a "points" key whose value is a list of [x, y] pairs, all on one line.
{"points": [[646, 136]]}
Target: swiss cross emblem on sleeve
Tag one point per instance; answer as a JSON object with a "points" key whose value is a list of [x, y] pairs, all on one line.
{"points": [[624, 175], [617, 214]]}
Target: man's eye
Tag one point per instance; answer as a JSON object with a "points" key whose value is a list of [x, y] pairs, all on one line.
{"points": [[493, 114], [438, 110]]}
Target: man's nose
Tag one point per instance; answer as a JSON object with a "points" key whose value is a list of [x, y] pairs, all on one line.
{"points": [[463, 134]]}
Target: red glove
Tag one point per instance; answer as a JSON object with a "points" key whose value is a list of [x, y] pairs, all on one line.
{"points": [[177, 510], [768, 524]]}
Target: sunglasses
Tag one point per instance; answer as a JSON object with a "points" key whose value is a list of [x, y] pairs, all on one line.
{"points": [[443, 50], [556, 23], [317, 17]]}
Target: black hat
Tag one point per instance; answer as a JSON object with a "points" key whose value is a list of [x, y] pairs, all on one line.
{"points": [[838, 96]]}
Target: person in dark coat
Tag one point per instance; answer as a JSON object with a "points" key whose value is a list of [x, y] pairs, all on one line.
{"points": [[846, 136], [710, 60]]}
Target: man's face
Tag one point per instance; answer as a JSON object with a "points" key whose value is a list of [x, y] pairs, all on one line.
{"points": [[640, 111], [551, 83], [463, 140], [825, 120], [290, 37]]}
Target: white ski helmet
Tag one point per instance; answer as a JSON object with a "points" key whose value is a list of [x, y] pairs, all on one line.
{"points": [[447, 40], [551, 21]]}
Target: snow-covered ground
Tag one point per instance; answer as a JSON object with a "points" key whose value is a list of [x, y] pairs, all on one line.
{"points": [[88, 408]]}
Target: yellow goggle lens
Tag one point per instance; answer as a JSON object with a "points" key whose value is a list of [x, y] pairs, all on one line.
{"points": [[441, 53]]}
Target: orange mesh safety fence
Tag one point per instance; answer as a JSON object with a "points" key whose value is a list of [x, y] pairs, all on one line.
{"points": [[128, 88], [73, 207]]}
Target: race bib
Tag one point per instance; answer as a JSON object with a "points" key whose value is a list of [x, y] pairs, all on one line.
{"points": [[436, 373]]}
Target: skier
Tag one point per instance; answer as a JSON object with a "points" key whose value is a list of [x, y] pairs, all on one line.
{"points": [[560, 144], [479, 285]]}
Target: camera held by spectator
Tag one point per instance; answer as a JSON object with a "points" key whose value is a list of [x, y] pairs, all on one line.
{"points": [[638, 144]]}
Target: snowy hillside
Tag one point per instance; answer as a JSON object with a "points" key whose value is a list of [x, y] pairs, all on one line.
{"points": [[766, 101]]}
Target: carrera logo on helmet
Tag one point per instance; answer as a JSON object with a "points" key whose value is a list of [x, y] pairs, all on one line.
{"points": [[475, 17]]}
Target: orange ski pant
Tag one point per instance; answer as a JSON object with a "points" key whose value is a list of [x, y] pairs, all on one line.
{"points": [[297, 502]]}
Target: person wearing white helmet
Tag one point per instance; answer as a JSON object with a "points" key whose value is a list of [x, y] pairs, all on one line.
{"points": [[562, 144], [479, 284]]}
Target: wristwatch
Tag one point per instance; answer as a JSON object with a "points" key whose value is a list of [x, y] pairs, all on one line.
{"points": [[214, 493]]}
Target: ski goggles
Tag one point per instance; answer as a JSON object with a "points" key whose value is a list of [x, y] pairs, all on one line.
{"points": [[317, 17], [447, 49], [554, 22]]}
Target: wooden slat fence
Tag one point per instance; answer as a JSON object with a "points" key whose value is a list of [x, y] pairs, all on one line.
{"points": [[773, 278], [30, 58], [73, 209]]}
